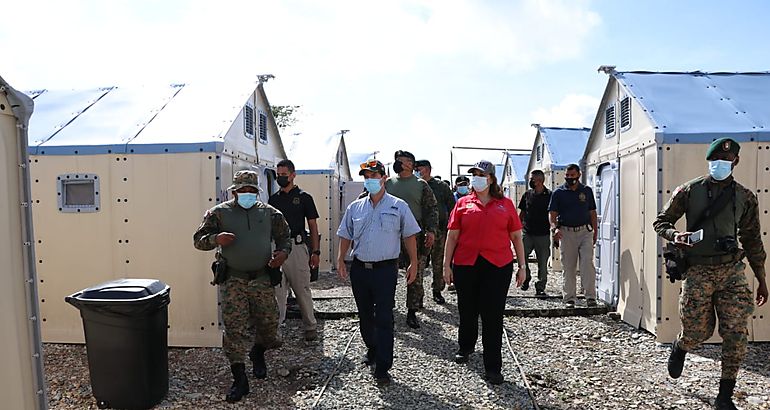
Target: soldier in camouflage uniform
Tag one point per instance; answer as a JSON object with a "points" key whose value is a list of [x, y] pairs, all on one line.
{"points": [[446, 202], [715, 281], [418, 195], [241, 229]]}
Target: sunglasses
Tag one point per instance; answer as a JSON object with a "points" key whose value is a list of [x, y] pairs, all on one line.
{"points": [[370, 164]]}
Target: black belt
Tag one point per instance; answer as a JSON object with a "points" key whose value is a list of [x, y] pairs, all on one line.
{"points": [[374, 265], [576, 228], [241, 274], [713, 260]]}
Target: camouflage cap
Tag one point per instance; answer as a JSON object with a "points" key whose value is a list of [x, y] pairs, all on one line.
{"points": [[402, 153], [244, 178], [723, 145], [484, 166]]}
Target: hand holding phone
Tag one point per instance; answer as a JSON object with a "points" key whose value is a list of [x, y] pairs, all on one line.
{"points": [[695, 237]]}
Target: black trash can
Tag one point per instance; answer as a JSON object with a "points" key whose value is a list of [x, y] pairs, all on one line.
{"points": [[125, 323]]}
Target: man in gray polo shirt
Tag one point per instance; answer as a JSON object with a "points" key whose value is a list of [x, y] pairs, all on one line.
{"points": [[375, 225]]}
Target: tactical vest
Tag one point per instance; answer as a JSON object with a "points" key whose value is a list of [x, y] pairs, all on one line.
{"points": [[250, 251], [409, 190], [723, 224]]}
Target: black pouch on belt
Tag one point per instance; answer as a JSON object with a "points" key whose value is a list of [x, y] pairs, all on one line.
{"points": [[276, 275]]}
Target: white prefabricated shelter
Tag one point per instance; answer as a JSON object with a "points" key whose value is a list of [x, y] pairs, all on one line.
{"points": [[650, 135], [21, 374], [553, 150], [322, 170], [121, 178], [518, 178]]}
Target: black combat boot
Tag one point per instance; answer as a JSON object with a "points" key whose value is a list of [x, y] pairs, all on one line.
{"points": [[676, 360], [240, 385], [438, 298], [411, 319], [257, 356], [724, 399]]}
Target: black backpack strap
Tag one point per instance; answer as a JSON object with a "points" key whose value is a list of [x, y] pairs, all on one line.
{"points": [[716, 206]]}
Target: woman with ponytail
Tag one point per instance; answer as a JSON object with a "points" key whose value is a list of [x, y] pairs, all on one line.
{"points": [[479, 262]]}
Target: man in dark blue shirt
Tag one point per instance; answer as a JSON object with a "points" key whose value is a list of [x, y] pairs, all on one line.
{"points": [[572, 213]]}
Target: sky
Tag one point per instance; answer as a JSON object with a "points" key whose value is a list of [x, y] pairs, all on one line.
{"points": [[419, 75]]}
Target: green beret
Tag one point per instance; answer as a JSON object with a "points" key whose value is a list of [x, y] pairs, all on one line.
{"points": [[723, 145]]}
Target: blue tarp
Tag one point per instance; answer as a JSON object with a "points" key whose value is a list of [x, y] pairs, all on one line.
{"points": [[698, 107]]}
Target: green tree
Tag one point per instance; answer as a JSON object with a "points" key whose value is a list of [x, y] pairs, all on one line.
{"points": [[285, 115]]}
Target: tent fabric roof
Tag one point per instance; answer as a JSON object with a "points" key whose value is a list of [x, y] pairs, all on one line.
{"points": [[519, 164], [183, 117], [566, 145], [698, 106]]}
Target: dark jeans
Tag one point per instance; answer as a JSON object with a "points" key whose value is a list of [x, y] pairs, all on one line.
{"points": [[375, 290], [482, 290]]}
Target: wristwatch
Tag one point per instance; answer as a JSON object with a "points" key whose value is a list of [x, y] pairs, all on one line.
{"points": [[316, 252]]}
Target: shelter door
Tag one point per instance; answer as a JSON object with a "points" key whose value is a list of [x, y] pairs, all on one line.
{"points": [[608, 252]]}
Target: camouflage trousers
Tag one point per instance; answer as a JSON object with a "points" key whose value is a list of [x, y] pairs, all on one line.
{"points": [[436, 261], [415, 292], [717, 291], [250, 316]]}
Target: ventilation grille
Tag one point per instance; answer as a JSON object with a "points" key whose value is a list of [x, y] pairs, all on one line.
{"points": [[262, 126], [248, 121], [609, 121], [625, 113]]}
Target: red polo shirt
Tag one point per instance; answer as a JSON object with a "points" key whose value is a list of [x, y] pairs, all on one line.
{"points": [[484, 230]]}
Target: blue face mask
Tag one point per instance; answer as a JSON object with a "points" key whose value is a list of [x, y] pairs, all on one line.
{"points": [[479, 183], [372, 185], [463, 190], [247, 199], [720, 169], [418, 174]]}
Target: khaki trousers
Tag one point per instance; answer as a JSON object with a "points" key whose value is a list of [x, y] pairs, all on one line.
{"points": [[296, 274], [576, 246]]}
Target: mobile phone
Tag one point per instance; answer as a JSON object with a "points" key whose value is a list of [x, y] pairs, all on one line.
{"points": [[695, 237]]}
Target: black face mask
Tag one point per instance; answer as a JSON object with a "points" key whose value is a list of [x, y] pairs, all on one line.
{"points": [[532, 184], [571, 181], [398, 166], [283, 181]]}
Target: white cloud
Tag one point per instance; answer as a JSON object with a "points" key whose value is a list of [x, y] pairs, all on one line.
{"points": [[574, 110]]}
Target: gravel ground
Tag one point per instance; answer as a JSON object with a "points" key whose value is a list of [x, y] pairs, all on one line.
{"points": [[571, 363]]}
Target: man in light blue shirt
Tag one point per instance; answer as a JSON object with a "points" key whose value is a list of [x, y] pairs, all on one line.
{"points": [[375, 225]]}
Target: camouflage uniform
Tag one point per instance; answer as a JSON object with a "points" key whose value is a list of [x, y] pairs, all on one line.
{"points": [[716, 283], [446, 202], [249, 309], [423, 205]]}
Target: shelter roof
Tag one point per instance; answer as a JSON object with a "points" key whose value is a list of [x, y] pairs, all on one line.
{"points": [[566, 145], [519, 164], [312, 152], [699, 106], [118, 117]]}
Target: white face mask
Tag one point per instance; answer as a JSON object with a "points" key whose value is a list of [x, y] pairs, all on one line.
{"points": [[479, 183]]}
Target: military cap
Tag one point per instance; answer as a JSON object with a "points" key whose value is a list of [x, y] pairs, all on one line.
{"points": [[484, 166], [244, 178], [372, 165], [401, 153], [723, 145], [423, 163], [462, 178]]}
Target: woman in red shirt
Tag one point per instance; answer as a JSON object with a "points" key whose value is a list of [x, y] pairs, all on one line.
{"points": [[479, 261]]}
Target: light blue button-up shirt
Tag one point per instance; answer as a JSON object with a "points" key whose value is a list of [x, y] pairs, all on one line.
{"points": [[376, 232]]}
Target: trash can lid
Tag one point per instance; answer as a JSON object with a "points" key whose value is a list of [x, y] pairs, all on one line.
{"points": [[124, 289]]}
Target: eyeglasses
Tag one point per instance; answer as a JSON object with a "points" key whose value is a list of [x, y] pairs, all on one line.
{"points": [[370, 164]]}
